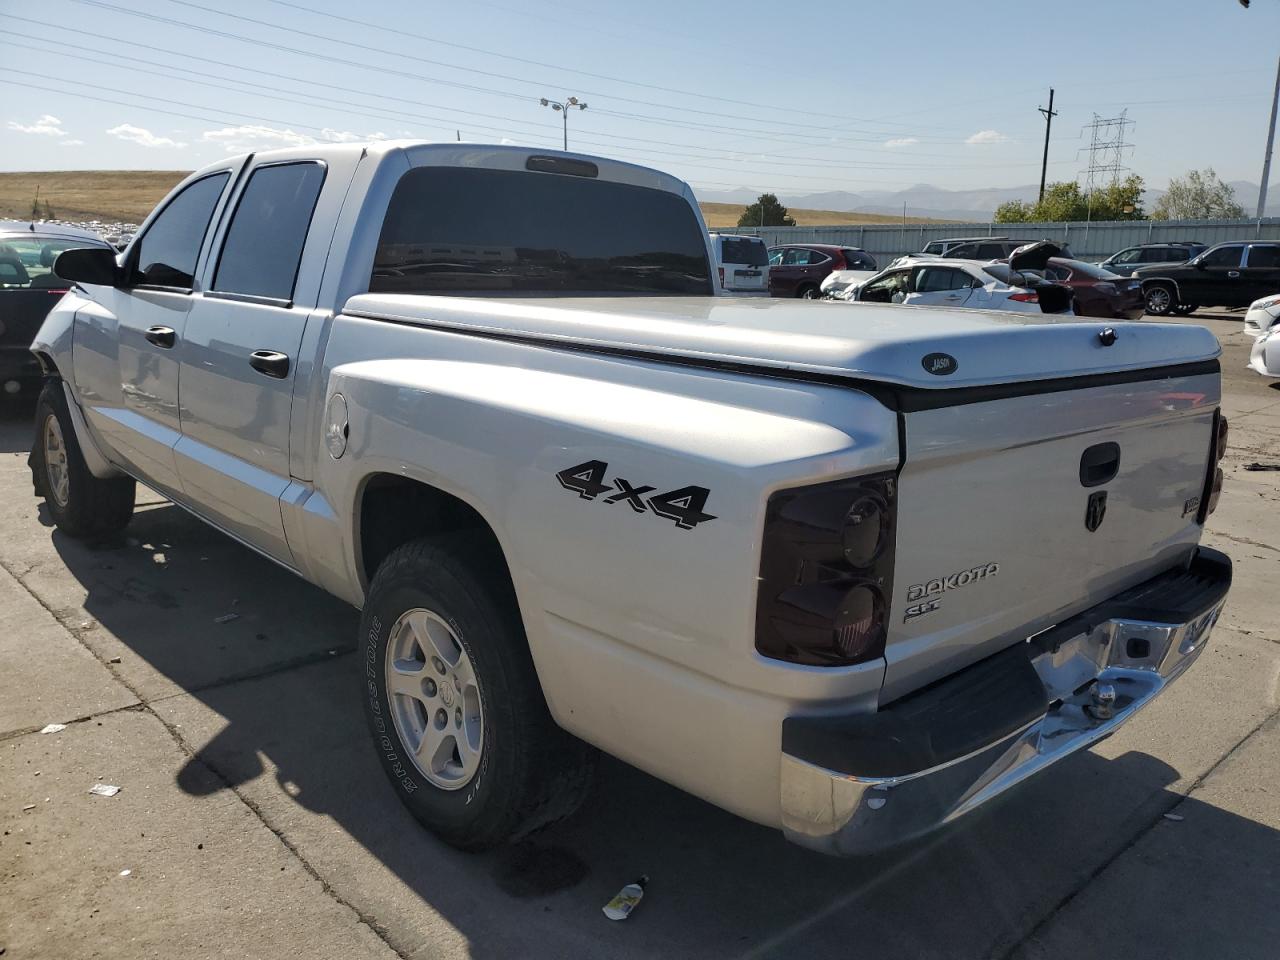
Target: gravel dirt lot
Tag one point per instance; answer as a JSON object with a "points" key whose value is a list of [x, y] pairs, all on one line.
{"points": [[253, 821]]}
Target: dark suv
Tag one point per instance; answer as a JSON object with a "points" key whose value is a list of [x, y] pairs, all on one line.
{"points": [[1228, 275], [1145, 254], [798, 269]]}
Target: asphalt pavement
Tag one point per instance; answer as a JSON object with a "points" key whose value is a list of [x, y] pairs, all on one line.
{"points": [[252, 819]]}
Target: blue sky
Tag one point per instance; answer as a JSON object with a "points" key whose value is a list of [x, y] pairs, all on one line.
{"points": [[790, 98]]}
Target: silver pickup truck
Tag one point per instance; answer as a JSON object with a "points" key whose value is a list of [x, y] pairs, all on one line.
{"points": [[849, 570]]}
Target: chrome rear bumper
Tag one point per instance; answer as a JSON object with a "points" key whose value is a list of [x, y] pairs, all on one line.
{"points": [[1094, 672]]}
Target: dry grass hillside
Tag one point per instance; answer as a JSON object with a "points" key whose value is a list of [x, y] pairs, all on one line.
{"points": [[87, 194], [727, 214], [130, 194]]}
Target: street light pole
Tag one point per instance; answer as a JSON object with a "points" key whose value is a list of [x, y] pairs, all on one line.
{"points": [[1271, 137], [564, 107]]}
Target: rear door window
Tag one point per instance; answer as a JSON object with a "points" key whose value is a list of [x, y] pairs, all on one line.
{"points": [[750, 252], [466, 231], [937, 279], [263, 248], [994, 251], [1264, 256], [816, 257], [166, 254]]}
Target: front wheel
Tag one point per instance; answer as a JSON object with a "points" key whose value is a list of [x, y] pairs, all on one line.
{"points": [[82, 505], [453, 701], [1160, 300], [1185, 309]]}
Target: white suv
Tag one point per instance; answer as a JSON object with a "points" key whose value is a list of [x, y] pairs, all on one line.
{"points": [[743, 263]]}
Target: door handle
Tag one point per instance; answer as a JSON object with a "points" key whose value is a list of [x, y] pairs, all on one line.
{"points": [[1233, 274], [270, 362], [954, 296], [161, 336]]}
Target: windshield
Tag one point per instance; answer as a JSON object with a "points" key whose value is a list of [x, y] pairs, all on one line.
{"points": [[27, 262], [461, 231]]}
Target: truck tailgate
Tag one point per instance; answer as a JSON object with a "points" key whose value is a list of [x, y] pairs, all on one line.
{"points": [[994, 541]]}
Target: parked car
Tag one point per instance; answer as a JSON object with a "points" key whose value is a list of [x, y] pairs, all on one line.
{"points": [[839, 284], [965, 283], [1098, 292], [1227, 275], [982, 249], [798, 269], [743, 263], [1263, 314], [803, 569], [1264, 358], [1146, 254], [28, 290]]}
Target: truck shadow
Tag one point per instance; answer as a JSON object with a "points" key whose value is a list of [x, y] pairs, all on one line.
{"points": [[283, 676]]}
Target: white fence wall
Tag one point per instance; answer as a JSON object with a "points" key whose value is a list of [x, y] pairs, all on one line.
{"points": [[1089, 241]]}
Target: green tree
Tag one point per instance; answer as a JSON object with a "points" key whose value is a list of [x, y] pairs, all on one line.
{"points": [[766, 212], [1014, 211], [1200, 195], [1121, 200]]}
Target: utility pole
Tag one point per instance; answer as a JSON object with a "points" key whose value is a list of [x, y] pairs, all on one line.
{"points": [[1049, 114], [1271, 137], [564, 107]]}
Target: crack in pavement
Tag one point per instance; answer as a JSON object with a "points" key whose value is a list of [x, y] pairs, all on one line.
{"points": [[144, 705]]}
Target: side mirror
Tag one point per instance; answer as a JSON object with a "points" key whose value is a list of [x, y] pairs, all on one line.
{"points": [[92, 265]]}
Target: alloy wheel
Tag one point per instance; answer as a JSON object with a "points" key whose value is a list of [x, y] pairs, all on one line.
{"points": [[435, 698], [55, 461]]}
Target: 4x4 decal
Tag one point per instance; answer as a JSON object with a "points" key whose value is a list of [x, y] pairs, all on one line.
{"points": [[684, 506]]}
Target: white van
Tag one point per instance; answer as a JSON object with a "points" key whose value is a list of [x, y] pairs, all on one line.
{"points": [[743, 263]]}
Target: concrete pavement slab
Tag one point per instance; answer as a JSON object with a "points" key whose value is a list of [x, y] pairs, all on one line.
{"points": [[49, 677], [206, 877], [151, 596], [1207, 885], [295, 746]]}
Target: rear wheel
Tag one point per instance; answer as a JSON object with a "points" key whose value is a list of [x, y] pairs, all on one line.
{"points": [[809, 291], [1161, 299], [1186, 309], [81, 504], [453, 701]]}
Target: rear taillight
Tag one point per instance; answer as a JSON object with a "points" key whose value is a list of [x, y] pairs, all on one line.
{"points": [[1213, 476], [1025, 297], [826, 572], [721, 269]]}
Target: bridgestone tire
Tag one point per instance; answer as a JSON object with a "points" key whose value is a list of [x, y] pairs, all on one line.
{"points": [[531, 772], [94, 508]]}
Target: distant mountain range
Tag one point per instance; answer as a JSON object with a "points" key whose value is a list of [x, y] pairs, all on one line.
{"points": [[926, 200]]}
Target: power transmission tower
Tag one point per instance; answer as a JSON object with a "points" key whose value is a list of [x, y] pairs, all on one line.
{"points": [[1107, 146], [1049, 114]]}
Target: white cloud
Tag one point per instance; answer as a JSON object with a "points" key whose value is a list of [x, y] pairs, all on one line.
{"points": [[987, 136], [346, 136], [71, 143], [253, 136], [901, 142], [142, 136], [47, 125], [258, 137]]}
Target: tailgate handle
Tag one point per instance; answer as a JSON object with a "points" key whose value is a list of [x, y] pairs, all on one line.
{"points": [[1099, 463]]}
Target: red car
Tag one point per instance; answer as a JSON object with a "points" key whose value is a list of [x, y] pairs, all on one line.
{"points": [[798, 269], [1099, 292]]}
